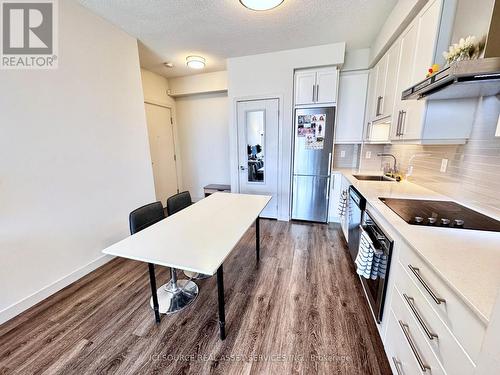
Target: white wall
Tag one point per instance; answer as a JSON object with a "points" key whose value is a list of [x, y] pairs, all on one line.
{"points": [[204, 141], [74, 159], [271, 75], [198, 83]]}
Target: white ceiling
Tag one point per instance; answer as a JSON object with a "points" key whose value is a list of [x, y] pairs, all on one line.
{"points": [[170, 30]]}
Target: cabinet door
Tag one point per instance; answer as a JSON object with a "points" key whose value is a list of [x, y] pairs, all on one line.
{"points": [[405, 71], [351, 102], [326, 86], [428, 27], [381, 68], [304, 87], [414, 113], [391, 79]]}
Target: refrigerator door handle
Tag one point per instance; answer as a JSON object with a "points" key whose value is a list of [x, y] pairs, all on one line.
{"points": [[328, 189], [329, 163]]}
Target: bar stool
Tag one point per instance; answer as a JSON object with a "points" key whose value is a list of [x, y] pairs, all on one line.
{"points": [[175, 295], [175, 204]]}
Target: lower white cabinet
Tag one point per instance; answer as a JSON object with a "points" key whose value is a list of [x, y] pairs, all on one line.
{"points": [[344, 219]]}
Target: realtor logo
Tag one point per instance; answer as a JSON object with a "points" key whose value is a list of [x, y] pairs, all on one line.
{"points": [[29, 31]]}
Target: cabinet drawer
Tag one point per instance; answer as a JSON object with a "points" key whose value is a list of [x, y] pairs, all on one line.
{"points": [[445, 346], [398, 352], [468, 329], [414, 339]]}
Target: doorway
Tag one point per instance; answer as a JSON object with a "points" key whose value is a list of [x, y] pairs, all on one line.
{"points": [[162, 147], [258, 136]]}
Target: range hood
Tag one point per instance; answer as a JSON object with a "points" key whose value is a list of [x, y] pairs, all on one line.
{"points": [[468, 78]]}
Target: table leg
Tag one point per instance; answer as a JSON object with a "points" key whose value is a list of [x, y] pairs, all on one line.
{"points": [[152, 280], [257, 238], [222, 313]]}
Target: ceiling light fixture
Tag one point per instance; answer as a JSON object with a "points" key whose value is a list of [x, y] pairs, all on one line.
{"points": [[261, 4], [195, 62]]}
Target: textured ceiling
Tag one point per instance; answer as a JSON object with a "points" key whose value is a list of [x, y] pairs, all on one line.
{"points": [[170, 30]]}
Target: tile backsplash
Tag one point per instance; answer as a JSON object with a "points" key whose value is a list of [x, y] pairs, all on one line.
{"points": [[473, 172]]}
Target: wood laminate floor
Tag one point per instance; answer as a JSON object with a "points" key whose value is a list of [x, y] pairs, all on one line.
{"points": [[300, 311]]}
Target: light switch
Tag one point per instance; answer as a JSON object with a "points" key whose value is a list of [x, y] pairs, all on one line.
{"points": [[368, 154], [342, 154]]}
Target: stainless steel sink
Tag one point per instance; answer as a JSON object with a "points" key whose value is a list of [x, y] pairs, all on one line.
{"points": [[363, 177]]}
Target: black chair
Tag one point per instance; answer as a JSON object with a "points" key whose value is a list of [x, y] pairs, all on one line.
{"points": [[175, 204], [178, 202], [176, 294]]}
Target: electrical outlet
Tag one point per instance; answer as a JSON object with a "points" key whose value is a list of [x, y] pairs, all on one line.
{"points": [[368, 154], [342, 154], [444, 165]]}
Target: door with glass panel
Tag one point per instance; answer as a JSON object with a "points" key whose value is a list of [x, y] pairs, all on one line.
{"points": [[258, 150]]}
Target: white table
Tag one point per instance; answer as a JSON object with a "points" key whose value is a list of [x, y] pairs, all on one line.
{"points": [[198, 239]]}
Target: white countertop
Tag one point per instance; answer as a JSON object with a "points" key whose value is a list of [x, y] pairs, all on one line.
{"points": [[198, 238], [467, 260]]}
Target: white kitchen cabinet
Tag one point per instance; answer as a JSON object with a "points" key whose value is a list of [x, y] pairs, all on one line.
{"points": [[381, 97], [423, 121], [344, 219], [305, 87], [316, 86], [351, 102]]}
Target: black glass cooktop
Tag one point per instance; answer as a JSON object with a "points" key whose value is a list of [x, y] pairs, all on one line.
{"points": [[444, 214]]}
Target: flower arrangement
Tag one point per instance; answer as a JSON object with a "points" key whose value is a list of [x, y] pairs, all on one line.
{"points": [[465, 49]]}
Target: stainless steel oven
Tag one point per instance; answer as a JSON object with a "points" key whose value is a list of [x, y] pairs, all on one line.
{"points": [[376, 288]]}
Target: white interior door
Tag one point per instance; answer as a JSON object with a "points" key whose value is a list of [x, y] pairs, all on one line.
{"points": [[161, 144], [258, 150]]}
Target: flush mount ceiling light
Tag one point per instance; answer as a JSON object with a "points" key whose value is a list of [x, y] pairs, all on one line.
{"points": [[261, 4], [195, 62]]}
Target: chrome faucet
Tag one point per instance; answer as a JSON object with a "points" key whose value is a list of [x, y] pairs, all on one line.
{"points": [[394, 170]]}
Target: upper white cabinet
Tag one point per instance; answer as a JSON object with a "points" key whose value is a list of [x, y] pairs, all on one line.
{"points": [[316, 86], [351, 101], [422, 121], [381, 96]]}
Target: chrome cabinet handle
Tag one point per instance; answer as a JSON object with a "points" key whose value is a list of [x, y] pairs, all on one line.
{"points": [[314, 93], [379, 100], [406, 331], [398, 126], [411, 302], [397, 364], [403, 122], [317, 93], [416, 272]]}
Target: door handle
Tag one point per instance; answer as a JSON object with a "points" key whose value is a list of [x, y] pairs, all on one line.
{"points": [[329, 163]]}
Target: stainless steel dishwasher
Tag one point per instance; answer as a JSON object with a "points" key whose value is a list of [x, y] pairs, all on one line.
{"points": [[357, 204]]}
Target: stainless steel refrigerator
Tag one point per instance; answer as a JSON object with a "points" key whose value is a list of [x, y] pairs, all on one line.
{"points": [[312, 160]]}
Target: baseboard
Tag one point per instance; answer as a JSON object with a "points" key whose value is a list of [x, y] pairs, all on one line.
{"points": [[31, 300]]}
